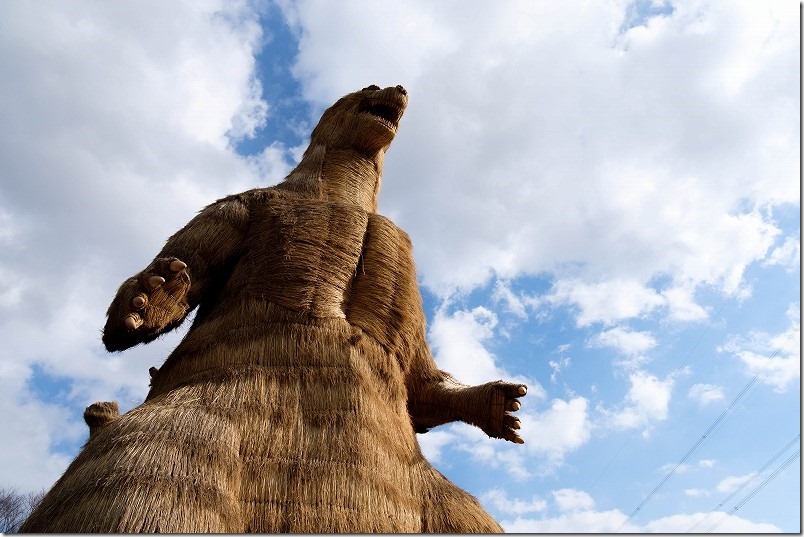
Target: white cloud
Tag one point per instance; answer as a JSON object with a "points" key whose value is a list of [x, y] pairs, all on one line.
{"points": [[793, 313], [788, 255], [433, 443], [775, 358], [272, 162], [514, 304], [492, 453], [681, 523], [646, 403], [555, 432], [576, 513], [117, 121], [622, 165], [649, 397], [30, 428], [607, 302], [732, 483], [498, 498], [684, 468], [549, 437], [682, 306], [705, 394], [8, 232], [625, 341], [458, 342], [577, 522], [696, 492], [612, 521], [780, 373], [557, 366], [569, 500]]}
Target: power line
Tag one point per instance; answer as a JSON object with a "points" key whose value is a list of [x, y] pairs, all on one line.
{"points": [[689, 353], [695, 346], [686, 359], [723, 416], [594, 483], [747, 482], [757, 489]]}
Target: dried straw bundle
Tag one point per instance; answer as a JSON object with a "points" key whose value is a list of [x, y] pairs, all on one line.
{"points": [[290, 405], [99, 414]]}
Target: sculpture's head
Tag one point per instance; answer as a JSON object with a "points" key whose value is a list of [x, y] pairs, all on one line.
{"points": [[345, 158], [366, 120]]}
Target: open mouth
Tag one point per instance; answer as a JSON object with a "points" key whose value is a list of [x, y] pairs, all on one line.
{"points": [[385, 112]]}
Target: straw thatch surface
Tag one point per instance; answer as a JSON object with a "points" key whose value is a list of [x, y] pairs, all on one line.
{"points": [[291, 404], [99, 414]]}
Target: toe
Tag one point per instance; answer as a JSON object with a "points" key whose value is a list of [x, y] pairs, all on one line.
{"points": [[155, 281], [133, 321]]}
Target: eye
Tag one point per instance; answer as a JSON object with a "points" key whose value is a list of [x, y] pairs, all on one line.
{"points": [[373, 87]]}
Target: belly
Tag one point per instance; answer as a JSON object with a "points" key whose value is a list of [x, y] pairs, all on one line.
{"points": [[321, 413]]}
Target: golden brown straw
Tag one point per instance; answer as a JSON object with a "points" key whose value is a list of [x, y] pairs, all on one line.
{"points": [[293, 401]]}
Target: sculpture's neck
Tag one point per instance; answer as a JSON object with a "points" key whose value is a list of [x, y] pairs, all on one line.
{"points": [[338, 175]]}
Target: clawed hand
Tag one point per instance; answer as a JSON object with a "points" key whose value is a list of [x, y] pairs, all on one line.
{"points": [[147, 303], [175, 288], [506, 400]]}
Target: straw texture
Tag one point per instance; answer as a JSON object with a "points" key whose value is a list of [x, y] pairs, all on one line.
{"points": [[292, 403], [99, 414]]}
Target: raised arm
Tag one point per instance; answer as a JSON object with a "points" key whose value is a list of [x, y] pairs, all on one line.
{"points": [[158, 298]]}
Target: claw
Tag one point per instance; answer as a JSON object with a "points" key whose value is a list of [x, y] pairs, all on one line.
{"points": [[133, 321], [139, 301], [516, 425], [155, 281], [177, 266], [518, 440], [514, 405], [523, 390]]}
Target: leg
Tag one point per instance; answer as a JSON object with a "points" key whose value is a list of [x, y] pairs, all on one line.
{"points": [[449, 509], [158, 468]]}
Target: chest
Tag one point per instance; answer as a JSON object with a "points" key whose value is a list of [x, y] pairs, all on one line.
{"points": [[331, 260]]}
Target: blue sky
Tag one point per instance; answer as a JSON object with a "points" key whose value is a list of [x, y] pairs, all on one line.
{"points": [[603, 199]]}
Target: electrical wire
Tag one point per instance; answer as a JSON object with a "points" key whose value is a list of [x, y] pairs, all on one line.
{"points": [[686, 360], [594, 483], [757, 489], [689, 353], [723, 416], [747, 482]]}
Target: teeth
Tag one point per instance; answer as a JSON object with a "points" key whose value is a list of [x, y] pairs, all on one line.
{"points": [[381, 119], [385, 112]]}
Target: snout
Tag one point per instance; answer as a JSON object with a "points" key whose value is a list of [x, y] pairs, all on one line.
{"points": [[384, 105]]}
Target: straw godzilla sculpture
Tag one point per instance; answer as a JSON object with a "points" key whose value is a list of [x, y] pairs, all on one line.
{"points": [[293, 401]]}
